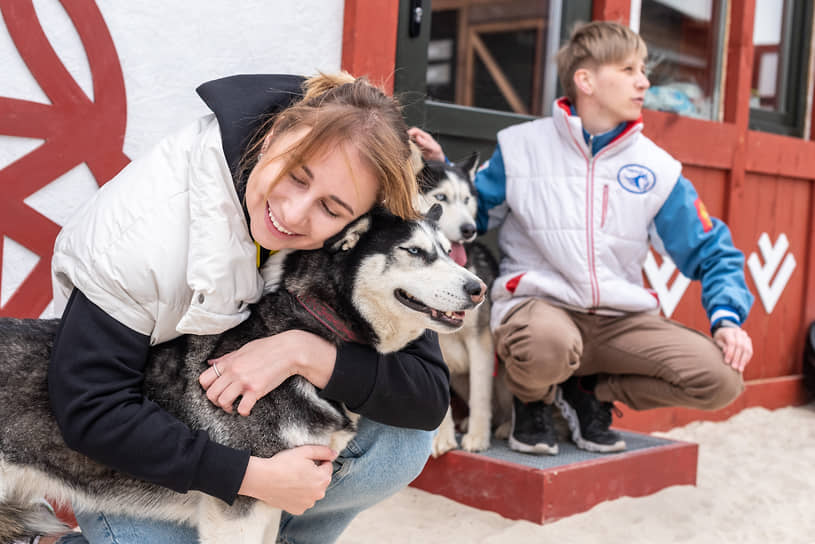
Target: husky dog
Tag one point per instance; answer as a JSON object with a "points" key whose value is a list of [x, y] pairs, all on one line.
{"points": [[469, 353], [383, 280]]}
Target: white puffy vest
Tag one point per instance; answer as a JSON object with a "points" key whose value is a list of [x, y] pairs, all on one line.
{"points": [[164, 247], [578, 225]]}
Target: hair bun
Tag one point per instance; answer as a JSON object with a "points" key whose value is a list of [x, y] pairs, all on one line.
{"points": [[322, 83]]}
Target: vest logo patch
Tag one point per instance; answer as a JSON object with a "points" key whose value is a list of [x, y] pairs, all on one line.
{"points": [[636, 178]]}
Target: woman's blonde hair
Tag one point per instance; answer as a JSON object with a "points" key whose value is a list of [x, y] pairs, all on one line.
{"points": [[595, 44], [339, 109]]}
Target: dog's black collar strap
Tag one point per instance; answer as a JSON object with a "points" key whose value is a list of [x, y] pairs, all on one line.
{"points": [[326, 315]]}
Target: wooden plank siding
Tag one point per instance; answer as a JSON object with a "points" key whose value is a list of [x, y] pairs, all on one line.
{"points": [[756, 182]]}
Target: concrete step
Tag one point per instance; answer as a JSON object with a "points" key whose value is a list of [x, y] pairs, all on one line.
{"points": [[542, 488]]}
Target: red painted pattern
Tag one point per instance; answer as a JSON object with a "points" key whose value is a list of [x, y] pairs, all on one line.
{"points": [[75, 128]]}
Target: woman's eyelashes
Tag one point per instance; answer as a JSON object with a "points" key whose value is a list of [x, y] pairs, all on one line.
{"points": [[328, 209], [300, 181]]}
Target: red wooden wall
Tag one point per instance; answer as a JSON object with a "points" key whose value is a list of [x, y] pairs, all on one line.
{"points": [[756, 182]]}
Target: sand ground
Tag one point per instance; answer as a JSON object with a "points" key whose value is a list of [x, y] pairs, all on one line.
{"points": [[755, 485]]}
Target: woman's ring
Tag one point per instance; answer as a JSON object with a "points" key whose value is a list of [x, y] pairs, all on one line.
{"points": [[215, 368]]}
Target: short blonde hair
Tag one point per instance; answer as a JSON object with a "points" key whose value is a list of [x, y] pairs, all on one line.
{"points": [[339, 109], [595, 44]]}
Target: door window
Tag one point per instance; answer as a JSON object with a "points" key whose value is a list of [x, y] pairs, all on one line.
{"points": [[685, 44]]}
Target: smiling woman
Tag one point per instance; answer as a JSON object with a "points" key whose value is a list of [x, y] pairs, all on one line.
{"points": [[325, 161], [304, 207], [172, 246]]}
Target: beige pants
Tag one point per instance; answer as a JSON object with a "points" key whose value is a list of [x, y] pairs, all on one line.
{"points": [[642, 360]]}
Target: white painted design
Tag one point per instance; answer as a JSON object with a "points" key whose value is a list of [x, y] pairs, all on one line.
{"points": [[659, 276], [18, 262], [769, 290], [61, 198], [16, 147], [49, 312]]}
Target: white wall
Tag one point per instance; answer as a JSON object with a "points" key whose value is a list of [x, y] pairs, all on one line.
{"points": [[166, 49]]}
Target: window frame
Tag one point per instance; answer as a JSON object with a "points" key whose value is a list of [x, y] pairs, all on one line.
{"points": [[719, 22], [454, 120], [792, 121]]}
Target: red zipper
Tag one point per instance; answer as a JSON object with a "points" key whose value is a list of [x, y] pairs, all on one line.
{"points": [[595, 288]]}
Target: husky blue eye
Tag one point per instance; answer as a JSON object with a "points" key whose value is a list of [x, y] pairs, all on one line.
{"points": [[412, 250], [441, 198]]}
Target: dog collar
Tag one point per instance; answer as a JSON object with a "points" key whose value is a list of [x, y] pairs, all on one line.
{"points": [[326, 315]]}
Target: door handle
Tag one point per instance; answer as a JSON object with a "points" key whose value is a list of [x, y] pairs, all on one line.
{"points": [[416, 16]]}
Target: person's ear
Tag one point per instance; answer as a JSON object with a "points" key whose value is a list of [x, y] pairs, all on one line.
{"points": [[584, 81]]}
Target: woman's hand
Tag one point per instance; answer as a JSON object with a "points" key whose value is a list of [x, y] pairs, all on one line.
{"points": [[292, 480], [430, 148], [736, 346], [261, 365]]}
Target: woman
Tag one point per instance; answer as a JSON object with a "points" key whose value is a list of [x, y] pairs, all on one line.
{"points": [[176, 244]]}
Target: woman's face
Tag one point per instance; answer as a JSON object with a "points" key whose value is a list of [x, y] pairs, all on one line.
{"points": [[313, 202]]}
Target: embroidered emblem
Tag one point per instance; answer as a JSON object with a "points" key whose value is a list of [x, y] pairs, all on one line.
{"points": [[636, 178]]}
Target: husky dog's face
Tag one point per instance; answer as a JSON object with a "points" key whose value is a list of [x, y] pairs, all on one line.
{"points": [[451, 186], [406, 282]]}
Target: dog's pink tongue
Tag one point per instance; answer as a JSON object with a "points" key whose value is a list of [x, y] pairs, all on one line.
{"points": [[458, 254]]}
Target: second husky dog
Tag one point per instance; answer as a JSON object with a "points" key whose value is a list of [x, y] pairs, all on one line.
{"points": [[469, 353], [383, 280]]}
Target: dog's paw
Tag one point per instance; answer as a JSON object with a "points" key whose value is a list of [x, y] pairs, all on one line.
{"points": [[502, 432], [475, 442], [443, 443]]}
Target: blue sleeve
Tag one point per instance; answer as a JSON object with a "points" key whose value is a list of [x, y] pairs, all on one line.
{"points": [[702, 248], [491, 185]]}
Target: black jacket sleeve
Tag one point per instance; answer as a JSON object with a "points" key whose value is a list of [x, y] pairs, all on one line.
{"points": [[408, 388], [95, 387]]}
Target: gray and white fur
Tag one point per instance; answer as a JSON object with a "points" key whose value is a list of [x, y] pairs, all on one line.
{"points": [[386, 278], [469, 353]]}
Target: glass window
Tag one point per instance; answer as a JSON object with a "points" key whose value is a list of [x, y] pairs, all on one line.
{"points": [[685, 45], [780, 45], [493, 54]]}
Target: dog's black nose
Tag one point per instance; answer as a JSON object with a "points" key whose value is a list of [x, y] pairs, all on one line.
{"points": [[468, 231], [476, 289]]}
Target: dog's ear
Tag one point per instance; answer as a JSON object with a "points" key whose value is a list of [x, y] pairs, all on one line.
{"points": [[470, 164], [350, 235], [434, 213]]}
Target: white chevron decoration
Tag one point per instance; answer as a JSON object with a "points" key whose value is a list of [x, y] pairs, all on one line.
{"points": [[658, 277], [769, 290]]}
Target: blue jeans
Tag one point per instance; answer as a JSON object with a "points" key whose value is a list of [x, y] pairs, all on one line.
{"points": [[377, 463]]}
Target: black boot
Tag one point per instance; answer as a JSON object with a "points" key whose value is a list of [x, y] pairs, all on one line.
{"points": [[588, 418], [532, 428]]}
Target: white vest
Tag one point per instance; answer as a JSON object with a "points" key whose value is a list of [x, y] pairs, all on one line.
{"points": [[577, 231], [164, 247]]}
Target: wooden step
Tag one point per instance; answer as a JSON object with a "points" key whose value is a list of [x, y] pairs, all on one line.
{"points": [[542, 488]]}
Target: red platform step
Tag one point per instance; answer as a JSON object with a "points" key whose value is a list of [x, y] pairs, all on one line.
{"points": [[543, 489]]}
